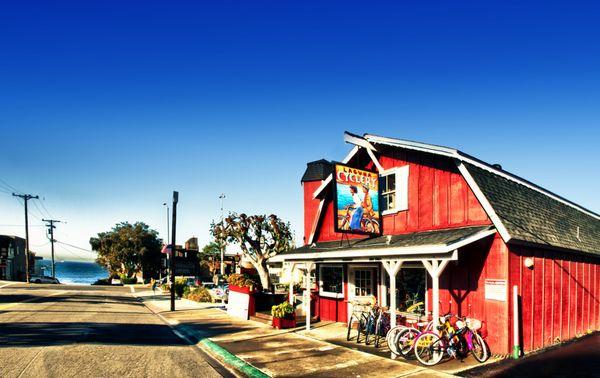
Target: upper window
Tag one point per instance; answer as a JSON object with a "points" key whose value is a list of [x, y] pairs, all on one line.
{"points": [[394, 190], [332, 279]]}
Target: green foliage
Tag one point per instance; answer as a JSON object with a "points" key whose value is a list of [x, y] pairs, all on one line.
{"points": [[180, 286], [199, 294], [128, 280], [243, 280], [128, 248], [283, 310]]}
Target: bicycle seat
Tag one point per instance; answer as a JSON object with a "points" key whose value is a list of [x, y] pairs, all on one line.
{"points": [[411, 321], [421, 324]]}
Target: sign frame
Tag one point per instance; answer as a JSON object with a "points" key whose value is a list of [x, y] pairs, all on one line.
{"points": [[336, 227]]}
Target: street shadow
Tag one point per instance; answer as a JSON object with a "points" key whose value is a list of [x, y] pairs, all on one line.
{"points": [[56, 334]]}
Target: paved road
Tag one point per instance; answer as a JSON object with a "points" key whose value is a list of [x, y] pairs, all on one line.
{"points": [[68, 331]]}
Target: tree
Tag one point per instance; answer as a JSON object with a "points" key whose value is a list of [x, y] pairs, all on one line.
{"points": [[209, 254], [259, 237], [128, 249]]}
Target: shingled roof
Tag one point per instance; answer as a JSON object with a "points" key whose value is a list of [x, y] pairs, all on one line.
{"points": [[531, 216], [526, 212]]}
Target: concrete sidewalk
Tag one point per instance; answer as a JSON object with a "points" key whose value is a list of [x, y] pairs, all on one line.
{"points": [[276, 353]]}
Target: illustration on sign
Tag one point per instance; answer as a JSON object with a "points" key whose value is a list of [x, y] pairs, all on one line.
{"points": [[356, 206]]}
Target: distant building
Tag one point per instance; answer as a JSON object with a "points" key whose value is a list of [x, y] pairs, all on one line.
{"points": [[192, 244], [12, 258]]}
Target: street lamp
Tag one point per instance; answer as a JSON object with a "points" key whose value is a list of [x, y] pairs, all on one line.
{"points": [[222, 197]]}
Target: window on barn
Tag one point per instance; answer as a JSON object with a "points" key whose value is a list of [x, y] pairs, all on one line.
{"points": [[394, 190], [331, 281]]}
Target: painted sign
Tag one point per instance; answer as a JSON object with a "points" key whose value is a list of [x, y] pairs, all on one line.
{"points": [[238, 304], [495, 290], [356, 204]]}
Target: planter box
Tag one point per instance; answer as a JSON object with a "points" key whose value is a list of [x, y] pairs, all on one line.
{"points": [[243, 290], [283, 323]]}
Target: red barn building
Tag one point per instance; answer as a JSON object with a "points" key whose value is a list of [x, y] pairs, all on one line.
{"points": [[458, 234]]}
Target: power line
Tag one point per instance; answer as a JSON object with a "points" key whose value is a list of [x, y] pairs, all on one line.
{"points": [[9, 187], [74, 246], [46, 209]]}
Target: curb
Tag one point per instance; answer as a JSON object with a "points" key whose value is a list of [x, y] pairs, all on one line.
{"points": [[214, 350]]}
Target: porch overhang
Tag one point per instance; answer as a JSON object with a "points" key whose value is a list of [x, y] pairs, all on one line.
{"points": [[408, 247]]}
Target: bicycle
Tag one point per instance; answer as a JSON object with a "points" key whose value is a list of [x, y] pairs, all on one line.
{"points": [[430, 347], [359, 315], [468, 329]]}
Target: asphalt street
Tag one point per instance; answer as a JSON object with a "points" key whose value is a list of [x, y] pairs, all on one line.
{"points": [[88, 331]]}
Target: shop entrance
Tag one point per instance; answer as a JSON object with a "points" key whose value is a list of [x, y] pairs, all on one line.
{"points": [[410, 288], [362, 282]]}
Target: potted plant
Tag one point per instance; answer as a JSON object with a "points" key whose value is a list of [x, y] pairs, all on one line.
{"points": [[283, 316], [242, 283]]}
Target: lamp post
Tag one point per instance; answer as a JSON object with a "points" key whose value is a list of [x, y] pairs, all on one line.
{"points": [[166, 205], [175, 200], [222, 197]]}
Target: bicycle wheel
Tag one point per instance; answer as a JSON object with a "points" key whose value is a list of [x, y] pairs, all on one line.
{"points": [[479, 350], [348, 335], [428, 349], [361, 328], [405, 341], [369, 329], [391, 336]]}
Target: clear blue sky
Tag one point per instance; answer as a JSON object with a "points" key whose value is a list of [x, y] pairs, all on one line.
{"points": [[106, 107]]}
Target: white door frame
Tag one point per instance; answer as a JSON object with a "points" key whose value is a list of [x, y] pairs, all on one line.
{"points": [[351, 269]]}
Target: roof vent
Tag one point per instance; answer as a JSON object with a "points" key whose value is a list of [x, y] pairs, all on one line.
{"points": [[497, 166]]}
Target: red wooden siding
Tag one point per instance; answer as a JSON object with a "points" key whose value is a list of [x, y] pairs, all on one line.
{"points": [[559, 295], [438, 198], [462, 289]]}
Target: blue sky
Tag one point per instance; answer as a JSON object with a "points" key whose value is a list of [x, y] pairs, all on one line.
{"points": [[105, 107]]}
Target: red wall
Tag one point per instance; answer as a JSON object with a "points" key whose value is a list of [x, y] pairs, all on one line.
{"points": [[559, 295], [438, 198], [462, 289]]}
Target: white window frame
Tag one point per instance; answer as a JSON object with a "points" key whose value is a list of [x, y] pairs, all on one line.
{"points": [[401, 202], [330, 294]]}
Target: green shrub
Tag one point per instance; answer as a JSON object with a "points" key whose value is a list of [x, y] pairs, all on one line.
{"points": [[199, 294], [283, 310], [128, 280]]}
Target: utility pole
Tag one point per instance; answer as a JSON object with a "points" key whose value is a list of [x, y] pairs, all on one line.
{"points": [[174, 229], [222, 197], [51, 228], [26, 197]]}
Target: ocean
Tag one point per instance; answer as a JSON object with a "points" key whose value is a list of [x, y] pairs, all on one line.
{"points": [[76, 272]]}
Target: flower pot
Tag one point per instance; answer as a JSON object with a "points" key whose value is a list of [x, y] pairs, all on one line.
{"points": [[283, 323], [243, 290]]}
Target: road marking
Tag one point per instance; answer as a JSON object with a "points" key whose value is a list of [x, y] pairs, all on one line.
{"points": [[31, 362], [8, 284], [9, 305], [132, 289]]}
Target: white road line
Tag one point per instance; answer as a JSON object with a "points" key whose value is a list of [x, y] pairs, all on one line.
{"points": [[8, 284]]}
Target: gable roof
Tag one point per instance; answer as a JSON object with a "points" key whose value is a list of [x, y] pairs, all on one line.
{"points": [[520, 210]]}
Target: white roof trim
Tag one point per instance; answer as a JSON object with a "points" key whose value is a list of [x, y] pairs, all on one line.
{"points": [[384, 252], [316, 222], [450, 152], [358, 141], [484, 201], [322, 186]]}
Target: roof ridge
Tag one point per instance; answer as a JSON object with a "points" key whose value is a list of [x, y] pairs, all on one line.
{"points": [[457, 154]]}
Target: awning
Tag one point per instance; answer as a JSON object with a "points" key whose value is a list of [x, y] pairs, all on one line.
{"points": [[417, 245]]}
